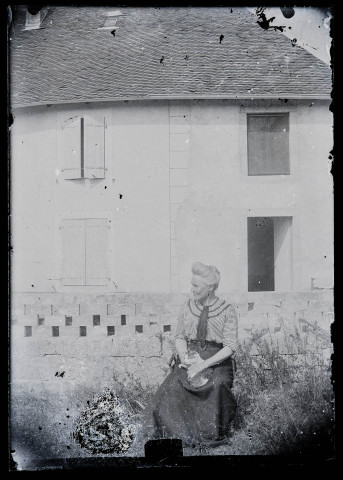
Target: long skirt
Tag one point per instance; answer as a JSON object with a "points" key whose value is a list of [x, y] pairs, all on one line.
{"points": [[196, 415]]}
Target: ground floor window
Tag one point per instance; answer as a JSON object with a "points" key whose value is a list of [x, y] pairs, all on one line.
{"points": [[269, 254], [85, 248]]}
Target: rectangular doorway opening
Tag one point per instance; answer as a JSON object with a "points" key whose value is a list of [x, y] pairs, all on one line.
{"points": [[269, 254]]}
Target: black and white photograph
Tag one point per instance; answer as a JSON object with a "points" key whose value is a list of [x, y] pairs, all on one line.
{"points": [[171, 236]]}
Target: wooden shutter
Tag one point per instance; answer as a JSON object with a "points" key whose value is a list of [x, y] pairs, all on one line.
{"points": [[257, 148], [97, 246], [278, 144], [72, 148], [268, 144], [73, 252], [94, 147]]}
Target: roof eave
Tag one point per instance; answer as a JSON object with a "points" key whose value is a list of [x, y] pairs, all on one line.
{"points": [[179, 97]]}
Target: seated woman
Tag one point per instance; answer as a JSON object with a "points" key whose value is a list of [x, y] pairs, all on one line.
{"points": [[195, 402]]}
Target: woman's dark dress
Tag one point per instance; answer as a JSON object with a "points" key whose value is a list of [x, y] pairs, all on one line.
{"points": [[196, 415]]}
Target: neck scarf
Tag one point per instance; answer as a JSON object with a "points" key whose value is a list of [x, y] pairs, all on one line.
{"points": [[202, 326]]}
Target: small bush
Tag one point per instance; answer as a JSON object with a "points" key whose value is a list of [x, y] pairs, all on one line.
{"points": [[108, 425]]}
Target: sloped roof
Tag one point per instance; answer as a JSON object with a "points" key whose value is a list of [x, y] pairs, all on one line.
{"points": [[157, 53]]}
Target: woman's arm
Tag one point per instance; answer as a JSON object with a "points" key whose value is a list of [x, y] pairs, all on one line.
{"points": [[181, 348], [218, 357], [180, 335]]}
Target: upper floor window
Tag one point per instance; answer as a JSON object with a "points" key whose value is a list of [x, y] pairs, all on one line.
{"points": [[84, 147], [268, 144]]}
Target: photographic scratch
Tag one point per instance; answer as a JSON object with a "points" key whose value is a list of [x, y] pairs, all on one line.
{"points": [[287, 12], [264, 22], [10, 119], [106, 426]]}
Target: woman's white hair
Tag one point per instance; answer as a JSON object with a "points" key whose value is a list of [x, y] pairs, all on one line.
{"points": [[209, 273]]}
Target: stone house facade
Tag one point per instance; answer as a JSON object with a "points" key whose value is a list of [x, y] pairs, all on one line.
{"points": [[141, 143]]}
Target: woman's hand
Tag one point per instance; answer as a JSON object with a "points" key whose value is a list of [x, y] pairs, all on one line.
{"points": [[185, 363], [195, 369]]}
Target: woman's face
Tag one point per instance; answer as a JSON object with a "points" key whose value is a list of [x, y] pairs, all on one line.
{"points": [[200, 289]]}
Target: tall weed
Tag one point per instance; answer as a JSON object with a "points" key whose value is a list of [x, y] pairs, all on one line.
{"points": [[285, 400]]}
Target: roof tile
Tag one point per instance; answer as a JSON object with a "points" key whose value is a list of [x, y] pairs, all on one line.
{"points": [[157, 52]]}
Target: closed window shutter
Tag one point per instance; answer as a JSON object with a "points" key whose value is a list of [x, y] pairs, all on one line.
{"points": [[72, 148], [94, 147], [268, 144], [73, 252], [257, 145], [97, 245], [279, 144]]}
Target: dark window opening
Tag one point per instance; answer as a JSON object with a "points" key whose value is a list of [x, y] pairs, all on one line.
{"points": [[110, 330], [41, 320], [166, 328], [55, 331], [123, 319], [139, 328], [68, 321], [96, 320], [269, 254], [28, 331], [260, 254], [83, 331], [268, 144]]}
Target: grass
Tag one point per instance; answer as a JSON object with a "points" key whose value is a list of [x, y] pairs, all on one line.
{"points": [[284, 394], [283, 390], [285, 400]]}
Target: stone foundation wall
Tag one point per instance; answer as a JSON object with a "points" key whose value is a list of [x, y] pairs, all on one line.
{"points": [[52, 332]]}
